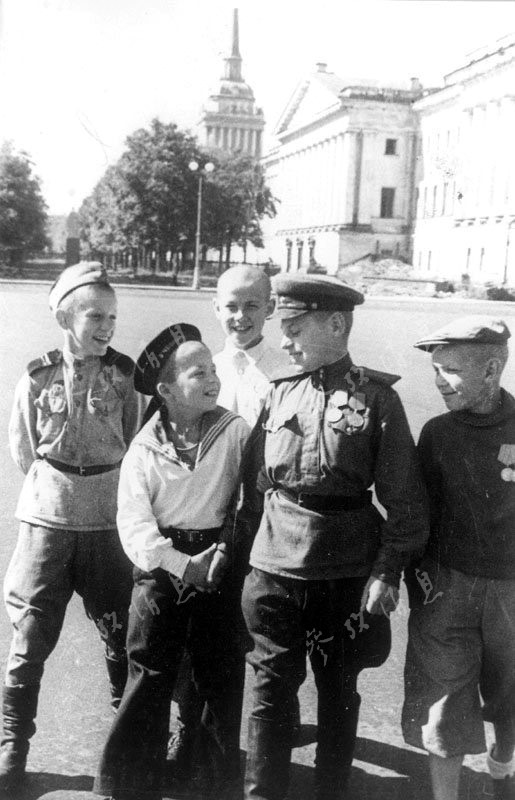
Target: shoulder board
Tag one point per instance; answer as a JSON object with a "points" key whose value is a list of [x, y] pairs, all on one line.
{"points": [[386, 378], [46, 360], [124, 363]]}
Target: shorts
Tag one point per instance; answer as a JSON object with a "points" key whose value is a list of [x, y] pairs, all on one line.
{"points": [[461, 650]]}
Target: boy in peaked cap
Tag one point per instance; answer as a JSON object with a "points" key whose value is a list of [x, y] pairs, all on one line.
{"points": [[462, 622], [176, 488], [325, 564], [75, 412]]}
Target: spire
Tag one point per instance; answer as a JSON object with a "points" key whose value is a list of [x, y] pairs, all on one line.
{"points": [[233, 63], [235, 36]]}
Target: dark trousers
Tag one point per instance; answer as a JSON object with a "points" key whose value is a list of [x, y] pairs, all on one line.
{"points": [[289, 619], [165, 615]]}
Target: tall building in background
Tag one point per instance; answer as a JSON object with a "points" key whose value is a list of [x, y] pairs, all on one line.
{"points": [[231, 121], [465, 221], [344, 170]]}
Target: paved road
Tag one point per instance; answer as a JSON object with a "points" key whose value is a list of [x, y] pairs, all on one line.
{"points": [[74, 715]]}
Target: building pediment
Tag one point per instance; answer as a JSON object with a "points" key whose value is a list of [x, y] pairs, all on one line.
{"points": [[311, 99]]}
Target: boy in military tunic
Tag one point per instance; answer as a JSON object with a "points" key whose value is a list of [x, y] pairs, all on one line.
{"points": [[462, 622], [325, 564], [75, 412]]}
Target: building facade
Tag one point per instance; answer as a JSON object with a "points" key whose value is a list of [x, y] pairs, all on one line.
{"points": [[231, 120], [344, 172], [465, 221]]}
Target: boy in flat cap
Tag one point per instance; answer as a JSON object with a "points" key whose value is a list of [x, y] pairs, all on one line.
{"points": [[325, 564], [176, 486], [75, 412], [462, 622]]}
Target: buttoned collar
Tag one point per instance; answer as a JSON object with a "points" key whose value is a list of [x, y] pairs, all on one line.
{"points": [[71, 360], [252, 354]]}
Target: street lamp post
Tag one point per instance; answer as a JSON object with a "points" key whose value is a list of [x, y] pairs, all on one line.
{"points": [[205, 170]]}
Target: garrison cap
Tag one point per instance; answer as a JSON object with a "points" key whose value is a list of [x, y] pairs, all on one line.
{"points": [[85, 273], [301, 292], [467, 330], [157, 352]]}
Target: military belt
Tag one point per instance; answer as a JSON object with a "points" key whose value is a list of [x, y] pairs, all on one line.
{"points": [[191, 541], [322, 503], [83, 471]]}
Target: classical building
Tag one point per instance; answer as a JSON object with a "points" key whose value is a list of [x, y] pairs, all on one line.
{"points": [[231, 121], [344, 170], [465, 221]]}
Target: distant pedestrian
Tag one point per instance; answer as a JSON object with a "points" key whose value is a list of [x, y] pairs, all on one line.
{"points": [[461, 644], [325, 563], [75, 412], [176, 492]]}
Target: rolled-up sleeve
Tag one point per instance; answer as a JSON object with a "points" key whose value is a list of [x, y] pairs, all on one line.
{"points": [[137, 525], [400, 489]]}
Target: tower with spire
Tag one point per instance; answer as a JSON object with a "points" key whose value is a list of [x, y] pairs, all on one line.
{"points": [[231, 121]]}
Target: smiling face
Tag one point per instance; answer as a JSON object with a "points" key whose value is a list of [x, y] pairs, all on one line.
{"points": [[242, 305], [189, 381], [465, 379], [88, 319], [314, 340]]}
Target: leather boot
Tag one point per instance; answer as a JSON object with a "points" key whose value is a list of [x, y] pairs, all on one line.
{"points": [[19, 706], [268, 760], [335, 748], [117, 672]]}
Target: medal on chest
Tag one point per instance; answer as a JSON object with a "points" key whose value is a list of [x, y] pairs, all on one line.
{"points": [[507, 457], [346, 413]]}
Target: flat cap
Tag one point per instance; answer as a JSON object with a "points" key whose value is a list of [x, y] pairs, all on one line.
{"points": [[467, 330], [157, 352], [301, 292], [84, 273]]}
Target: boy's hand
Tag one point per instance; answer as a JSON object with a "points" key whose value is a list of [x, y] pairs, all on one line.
{"points": [[379, 597], [197, 570], [218, 566]]}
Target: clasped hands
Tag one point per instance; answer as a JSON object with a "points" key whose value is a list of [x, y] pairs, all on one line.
{"points": [[206, 569], [379, 597]]}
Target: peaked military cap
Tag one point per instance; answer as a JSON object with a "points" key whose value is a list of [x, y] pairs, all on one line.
{"points": [[467, 330], [301, 292], [85, 273], [157, 352]]}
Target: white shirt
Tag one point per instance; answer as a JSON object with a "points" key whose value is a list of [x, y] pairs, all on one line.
{"points": [[158, 490], [245, 376]]}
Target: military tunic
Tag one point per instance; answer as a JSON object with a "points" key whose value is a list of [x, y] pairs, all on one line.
{"points": [[333, 433]]}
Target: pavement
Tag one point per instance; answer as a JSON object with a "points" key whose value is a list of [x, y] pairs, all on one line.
{"points": [[74, 714]]}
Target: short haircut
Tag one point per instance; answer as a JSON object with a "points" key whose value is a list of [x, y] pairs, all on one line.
{"points": [[72, 301], [348, 317], [245, 273], [480, 354]]}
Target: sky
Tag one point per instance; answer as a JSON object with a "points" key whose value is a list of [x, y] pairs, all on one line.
{"points": [[78, 76]]}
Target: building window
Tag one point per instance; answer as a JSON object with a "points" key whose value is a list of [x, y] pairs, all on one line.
{"points": [[444, 198], [424, 210], [481, 258], [428, 260], [387, 198], [435, 189], [391, 147]]}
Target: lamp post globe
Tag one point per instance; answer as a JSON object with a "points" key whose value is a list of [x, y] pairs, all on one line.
{"points": [[208, 167]]}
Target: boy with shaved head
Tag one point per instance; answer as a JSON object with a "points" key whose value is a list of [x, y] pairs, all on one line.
{"points": [[245, 368], [462, 623]]}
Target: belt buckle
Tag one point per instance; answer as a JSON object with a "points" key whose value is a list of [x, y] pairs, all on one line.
{"points": [[82, 471]]}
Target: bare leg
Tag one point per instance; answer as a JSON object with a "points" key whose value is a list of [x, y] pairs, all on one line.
{"points": [[445, 776]]}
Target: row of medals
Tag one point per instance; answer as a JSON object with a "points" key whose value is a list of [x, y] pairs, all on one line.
{"points": [[343, 412]]}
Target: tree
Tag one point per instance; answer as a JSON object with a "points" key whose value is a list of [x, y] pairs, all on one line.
{"points": [[235, 202], [23, 211]]}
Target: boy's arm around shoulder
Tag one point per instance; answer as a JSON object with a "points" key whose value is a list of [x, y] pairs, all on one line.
{"points": [[137, 523], [23, 435], [400, 489]]}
